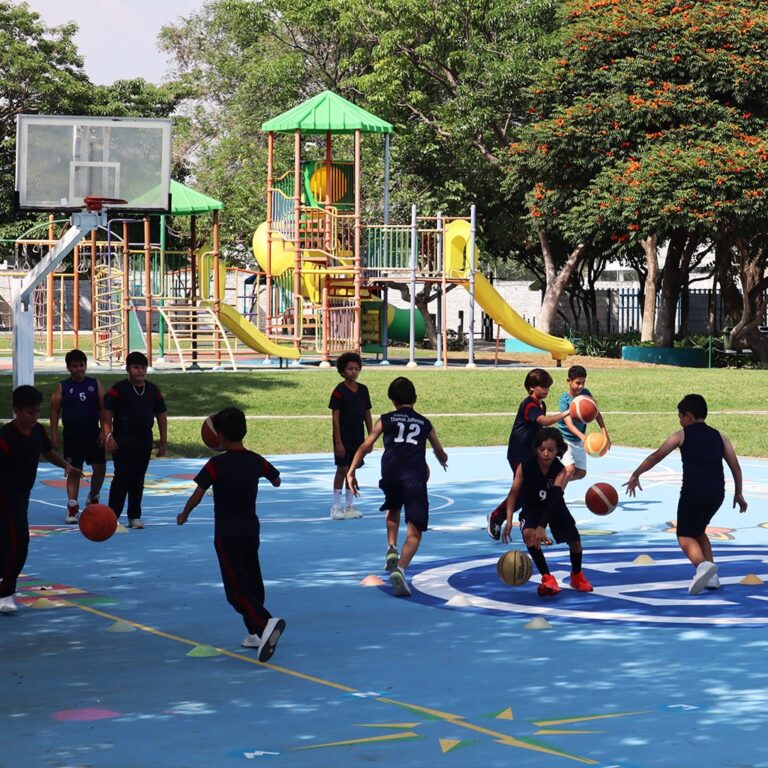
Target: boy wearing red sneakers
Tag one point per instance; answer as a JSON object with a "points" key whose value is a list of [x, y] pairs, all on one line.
{"points": [[538, 489]]}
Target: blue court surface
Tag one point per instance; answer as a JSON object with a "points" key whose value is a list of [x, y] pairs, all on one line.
{"points": [[126, 654]]}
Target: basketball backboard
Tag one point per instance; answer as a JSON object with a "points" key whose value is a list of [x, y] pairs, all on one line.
{"points": [[61, 159]]}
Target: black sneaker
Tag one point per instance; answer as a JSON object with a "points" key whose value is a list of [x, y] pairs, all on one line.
{"points": [[494, 529], [269, 638], [391, 559]]}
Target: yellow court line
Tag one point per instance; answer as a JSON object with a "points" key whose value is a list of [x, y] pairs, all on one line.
{"points": [[586, 718], [456, 720], [370, 740]]}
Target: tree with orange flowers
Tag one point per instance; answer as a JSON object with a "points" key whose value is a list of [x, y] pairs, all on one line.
{"points": [[651, 127]]}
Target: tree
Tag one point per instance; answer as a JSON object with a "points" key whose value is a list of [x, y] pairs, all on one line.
{"points": [[650, 126], [40, 71]]}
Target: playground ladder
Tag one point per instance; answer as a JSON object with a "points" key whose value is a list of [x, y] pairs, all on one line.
{"points": [[197, 334]]}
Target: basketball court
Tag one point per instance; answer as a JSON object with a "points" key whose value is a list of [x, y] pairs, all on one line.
{"points": [[125, 653]]}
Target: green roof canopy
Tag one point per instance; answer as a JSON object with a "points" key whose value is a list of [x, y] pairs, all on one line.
{"points": [[189, 202], [327, 112]]}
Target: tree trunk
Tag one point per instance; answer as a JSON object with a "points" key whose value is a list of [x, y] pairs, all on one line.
{"points": [[681, 247], [753, 286], [556, 281], [651, 249]]}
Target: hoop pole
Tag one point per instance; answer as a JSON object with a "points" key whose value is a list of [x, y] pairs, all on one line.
{"points": [[49, 297], [297, 238], [76, 297], [268, 280], [357, 325], [414, 248], [218, 289], [126, 296]]}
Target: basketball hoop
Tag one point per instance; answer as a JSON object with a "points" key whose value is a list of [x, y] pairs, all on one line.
{"points": [[96, 203]]}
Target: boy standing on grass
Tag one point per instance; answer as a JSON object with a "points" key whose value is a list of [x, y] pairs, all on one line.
{"points": [[530, 418], [350, 410], [575, 432], [234, 476], [79, 401], [21, 443], [703, 450], [130, 409], [404, 475]]}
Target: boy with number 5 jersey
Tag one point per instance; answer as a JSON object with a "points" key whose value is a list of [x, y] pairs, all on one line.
{"points": [[404, 475]]}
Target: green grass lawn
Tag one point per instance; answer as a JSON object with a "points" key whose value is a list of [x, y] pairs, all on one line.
{"points": [[468, 407]]}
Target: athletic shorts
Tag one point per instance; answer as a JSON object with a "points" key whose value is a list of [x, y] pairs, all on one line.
{"points": [[575, 455], [410, 494], [79, 451], [350, 448], [562, 525], [696, 509]]}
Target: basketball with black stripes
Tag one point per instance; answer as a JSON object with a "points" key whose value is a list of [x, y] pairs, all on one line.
{"points": [[514, 567], [209, 435], [601, 499]]}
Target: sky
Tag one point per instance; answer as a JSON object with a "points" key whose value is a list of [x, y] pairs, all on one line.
{"points": [[118, 38]]}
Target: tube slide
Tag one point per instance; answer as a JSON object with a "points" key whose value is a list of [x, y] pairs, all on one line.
{"points": [[492, 302]]}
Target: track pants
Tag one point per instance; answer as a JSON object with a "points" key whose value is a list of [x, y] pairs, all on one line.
{"points": [[14, 541]]}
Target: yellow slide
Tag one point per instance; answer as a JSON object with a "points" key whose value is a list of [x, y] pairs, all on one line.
{"points": [[492, 302], [232, 320]]}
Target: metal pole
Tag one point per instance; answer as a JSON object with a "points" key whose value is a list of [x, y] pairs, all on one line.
{"points": [[438, 312], [472, 255], [414, 248], [385, 248]]}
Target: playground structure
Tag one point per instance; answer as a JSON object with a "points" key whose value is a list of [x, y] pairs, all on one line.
{"points": [[322, 278]]}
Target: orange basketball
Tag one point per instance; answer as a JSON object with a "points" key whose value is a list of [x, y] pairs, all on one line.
{"points": [[209, 435], [97, 522], [601, 498], [583, 408], [596, 444]]}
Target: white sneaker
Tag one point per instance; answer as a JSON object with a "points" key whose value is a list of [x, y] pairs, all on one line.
{"points": [[337, 512], [351, 512], [91, 499], [399, 584], [704, 572], [269, 637], [7, 604], [135, 523], [714, 582], [70, 519], [251, 641]]}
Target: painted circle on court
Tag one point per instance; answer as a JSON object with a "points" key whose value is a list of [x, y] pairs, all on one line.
{"points": [[625, 591]]}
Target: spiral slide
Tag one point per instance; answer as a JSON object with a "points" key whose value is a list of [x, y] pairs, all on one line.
{"points": [[491, 301]]}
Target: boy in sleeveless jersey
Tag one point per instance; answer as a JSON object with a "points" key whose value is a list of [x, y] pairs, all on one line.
{"points": [[703, 450], [78, 401], [234, 476], [538, 490], [404, 475]]}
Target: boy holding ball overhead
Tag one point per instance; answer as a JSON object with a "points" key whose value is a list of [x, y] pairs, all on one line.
{"points": [[703, 450], [575, 432]]}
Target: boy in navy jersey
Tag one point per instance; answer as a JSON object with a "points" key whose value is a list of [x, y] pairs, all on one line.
{"points": [[350, 410], [575, 432], [21, 443], [79, 401], [234, 476], [404, 475], [538, 489], [130, 409], [703, 450], [530, 418]]}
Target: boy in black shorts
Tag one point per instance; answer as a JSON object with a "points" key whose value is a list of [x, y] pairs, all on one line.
{"points": [[404, 475], [703, 450], [350, 410], [538, 489], [130, 409], [21, 443], [234, 476], [530, 418], [79, 401]]}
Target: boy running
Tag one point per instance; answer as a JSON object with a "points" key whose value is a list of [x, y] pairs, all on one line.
{"points": [[404, 475], [703, 450]]}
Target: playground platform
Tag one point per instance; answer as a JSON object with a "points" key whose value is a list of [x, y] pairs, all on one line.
{"points": [[125, 653]]}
